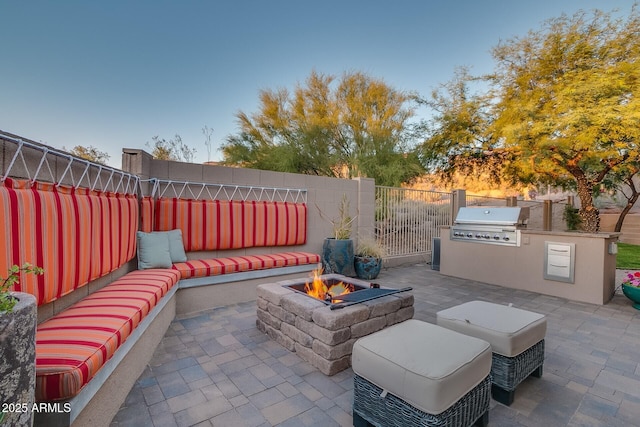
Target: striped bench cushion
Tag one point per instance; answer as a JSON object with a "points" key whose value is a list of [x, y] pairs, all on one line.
{"points": [[77, 235], [72, 346], [211, 225], [216, 266]]}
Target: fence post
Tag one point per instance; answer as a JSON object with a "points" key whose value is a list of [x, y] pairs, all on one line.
{"points": [[512, 201], [547, 215], [458, 200]]}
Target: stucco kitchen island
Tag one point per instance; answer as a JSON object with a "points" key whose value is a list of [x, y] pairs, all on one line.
{"points": [[573, 265]]}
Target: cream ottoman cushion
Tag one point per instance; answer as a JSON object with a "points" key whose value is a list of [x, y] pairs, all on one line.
{"points": [[509, 330], [425, 365]]}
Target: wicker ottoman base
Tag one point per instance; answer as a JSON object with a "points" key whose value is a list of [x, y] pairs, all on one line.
{"points": [[369, 408], [508, 372]]}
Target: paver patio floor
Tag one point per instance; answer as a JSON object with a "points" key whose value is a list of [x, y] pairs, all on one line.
{"points": [[217, 369]]}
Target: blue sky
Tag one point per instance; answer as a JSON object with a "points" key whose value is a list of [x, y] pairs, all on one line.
{"points": [[114, 74]]}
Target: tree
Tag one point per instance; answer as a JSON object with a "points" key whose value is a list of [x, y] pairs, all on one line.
{"points": [[459, 140], [90, 153], [625, 182], [172, 149], [564, 105], [357, 126]]}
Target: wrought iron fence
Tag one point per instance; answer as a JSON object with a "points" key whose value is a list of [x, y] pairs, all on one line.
{"points": [[473, 200], [407, 220]]}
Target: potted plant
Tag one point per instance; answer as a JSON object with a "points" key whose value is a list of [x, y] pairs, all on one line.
{"points": [[631, 288], [18, 320], [368, 258], [337, 251], [572, 218]]}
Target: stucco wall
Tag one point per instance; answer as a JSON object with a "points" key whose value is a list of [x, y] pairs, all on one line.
{"points": [[322, 192]]}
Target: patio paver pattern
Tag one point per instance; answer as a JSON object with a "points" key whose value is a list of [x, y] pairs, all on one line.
{"points": [[217, 369]]}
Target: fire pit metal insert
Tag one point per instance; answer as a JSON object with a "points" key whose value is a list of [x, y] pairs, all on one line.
{"points": [[357, 295]]}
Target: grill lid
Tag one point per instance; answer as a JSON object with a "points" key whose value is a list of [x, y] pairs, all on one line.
{"points": [[493, 215]]}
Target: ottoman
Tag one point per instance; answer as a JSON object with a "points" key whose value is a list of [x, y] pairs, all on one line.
{"points": [[417, 373], [516, 337]]}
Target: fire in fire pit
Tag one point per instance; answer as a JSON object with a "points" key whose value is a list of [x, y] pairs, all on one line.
{"points": [[341, 293], [326, 290]]}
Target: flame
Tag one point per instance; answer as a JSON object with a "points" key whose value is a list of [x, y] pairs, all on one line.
{"points": [[317, 288]]}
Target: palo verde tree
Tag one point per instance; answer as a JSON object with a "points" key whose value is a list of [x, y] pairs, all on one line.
{"points": [[357, 126], [569, 101], [563, 107], [171, 149], [90, 153]]}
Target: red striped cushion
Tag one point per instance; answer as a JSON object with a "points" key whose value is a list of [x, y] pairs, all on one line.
{"points": [[146, 214], [75, 234], [216, 266], [221, 224], [73, 345]]}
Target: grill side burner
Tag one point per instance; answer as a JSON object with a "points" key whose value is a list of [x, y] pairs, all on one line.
{"points": [[492, 225]]}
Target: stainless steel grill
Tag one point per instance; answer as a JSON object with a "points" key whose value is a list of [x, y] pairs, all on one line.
{"points": [[491, 225]]}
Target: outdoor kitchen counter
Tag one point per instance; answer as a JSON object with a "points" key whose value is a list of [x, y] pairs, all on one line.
{"points": [[527, 267], [600, 235]]}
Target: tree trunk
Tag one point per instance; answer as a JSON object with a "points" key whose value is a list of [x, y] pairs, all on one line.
{"points": [[630, 202], [588, 212], [623, 214]]}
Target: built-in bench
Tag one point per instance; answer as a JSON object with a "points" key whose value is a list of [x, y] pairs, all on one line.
{"points": [[81, 237]]}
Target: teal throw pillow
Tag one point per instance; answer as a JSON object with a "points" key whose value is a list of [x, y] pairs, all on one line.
{"points": [[176, 247], [153, 250]]}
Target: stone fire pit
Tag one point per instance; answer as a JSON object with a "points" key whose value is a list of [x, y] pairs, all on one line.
{"points": [[321, 336]]}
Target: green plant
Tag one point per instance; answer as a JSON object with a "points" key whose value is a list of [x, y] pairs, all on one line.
{"points": [[369, 247], [571, 217], [7, 302], [343, 222]]}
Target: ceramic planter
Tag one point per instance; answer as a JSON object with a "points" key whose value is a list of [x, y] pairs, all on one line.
{"points": [[367, 268], [337, 257], [633, 293], [18, 360]]}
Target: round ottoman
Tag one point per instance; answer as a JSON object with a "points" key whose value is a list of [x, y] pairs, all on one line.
{"points": [[417, 373], [516, 337]]}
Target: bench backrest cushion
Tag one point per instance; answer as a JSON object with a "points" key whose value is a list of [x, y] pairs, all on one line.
{"points": [[209, 225], [75, 234]]}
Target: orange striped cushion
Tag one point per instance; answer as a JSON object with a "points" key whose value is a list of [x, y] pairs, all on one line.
{"points": [[216, 266], [221, 224], [73, 345], [146, 214], [75, 234]]}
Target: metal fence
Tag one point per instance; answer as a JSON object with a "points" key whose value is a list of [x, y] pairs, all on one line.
{"points": [[407, 220], [473, 200]]}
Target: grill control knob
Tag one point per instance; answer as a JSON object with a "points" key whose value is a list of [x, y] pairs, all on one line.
{"points": [[496, 237], [478, 236], [469, 235], [506, 238], [486, 236]]}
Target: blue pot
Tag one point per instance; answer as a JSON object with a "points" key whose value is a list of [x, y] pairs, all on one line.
{"points": [[337, 257], [367, 268]]}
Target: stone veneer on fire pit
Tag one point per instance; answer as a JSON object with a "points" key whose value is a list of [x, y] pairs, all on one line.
{"points": [[321, 336]]}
